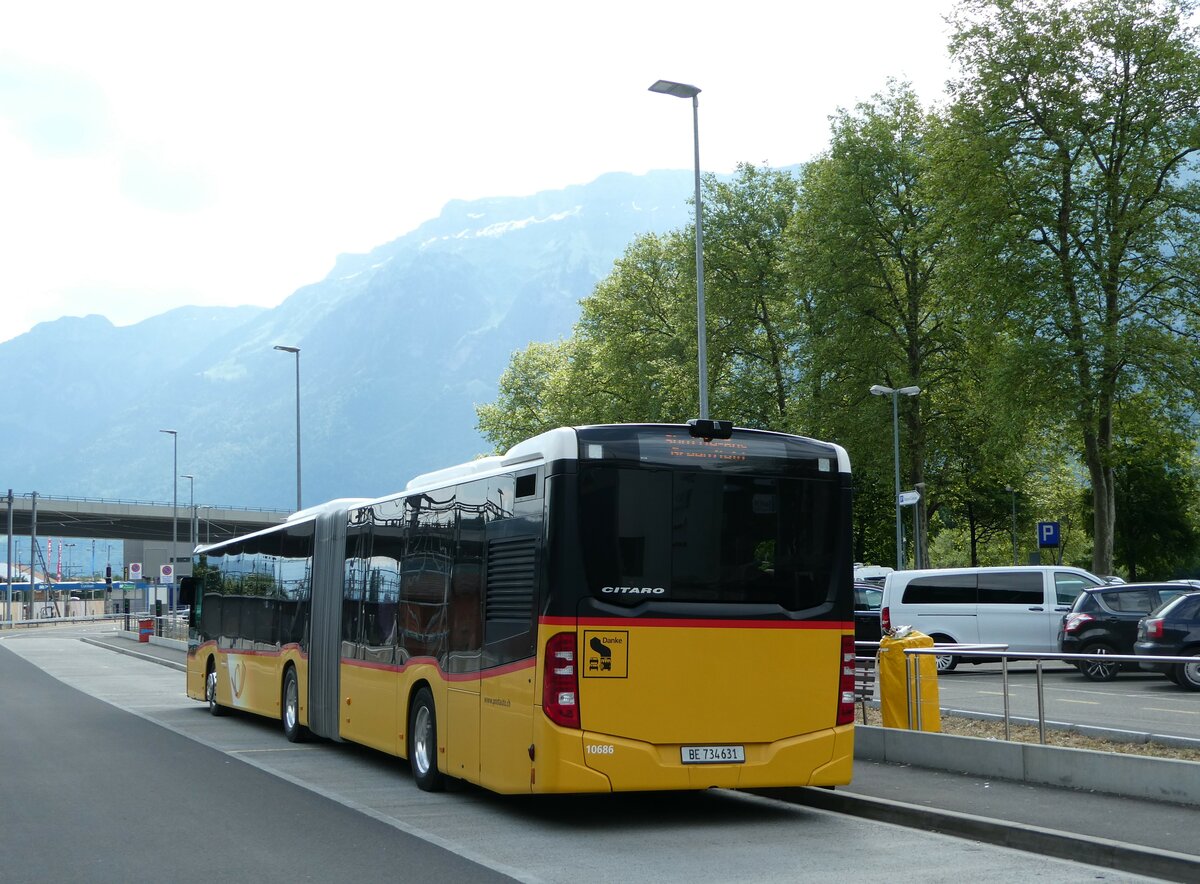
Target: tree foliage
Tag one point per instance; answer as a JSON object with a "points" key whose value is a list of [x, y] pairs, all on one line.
{"points": [[1076, 125], [1029, 255]]}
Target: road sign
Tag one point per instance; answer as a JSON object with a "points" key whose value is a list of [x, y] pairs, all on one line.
{"points": [[135, 570], [908, 498], [166, 573], [1047, 534]]}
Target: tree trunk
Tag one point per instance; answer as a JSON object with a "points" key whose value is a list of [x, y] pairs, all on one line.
{"points": [[1103, 513]]}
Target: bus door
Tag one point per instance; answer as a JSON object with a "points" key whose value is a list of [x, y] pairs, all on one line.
{"points": [[368, 683], [507, 687]]}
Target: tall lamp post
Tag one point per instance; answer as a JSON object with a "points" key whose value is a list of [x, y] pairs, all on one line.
{"points": [[896, 393], [295, 350], [683, 90], [1013, 492], [191, 510], [174, 513]]}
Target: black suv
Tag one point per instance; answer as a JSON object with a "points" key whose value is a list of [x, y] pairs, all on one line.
{"points": [[1104, 620], [868, 599], [1174, 631]]}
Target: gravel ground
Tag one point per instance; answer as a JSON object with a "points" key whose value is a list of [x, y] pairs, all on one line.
{"points": [[1019, 733]]}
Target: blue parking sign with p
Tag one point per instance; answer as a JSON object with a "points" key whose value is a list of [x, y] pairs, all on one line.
{"points": [[1047, 534]]}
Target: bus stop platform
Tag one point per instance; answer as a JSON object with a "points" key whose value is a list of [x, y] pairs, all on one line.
{"points": [[1131, 835]]}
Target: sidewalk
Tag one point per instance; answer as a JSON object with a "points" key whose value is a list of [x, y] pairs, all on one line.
{"points": [[160, 650], [1128, 834], [1135, 835]]}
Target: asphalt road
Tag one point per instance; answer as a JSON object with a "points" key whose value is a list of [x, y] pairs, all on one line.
{"points": [[1138, 702], [92, 793], [112, 774]]}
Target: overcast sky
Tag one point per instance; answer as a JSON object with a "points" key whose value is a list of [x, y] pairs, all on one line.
{"points": [[155, 154]]}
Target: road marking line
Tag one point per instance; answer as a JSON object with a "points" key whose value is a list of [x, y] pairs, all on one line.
{"points": [[254, 751], [1082, 702], [991, 693], [1177, 711]]}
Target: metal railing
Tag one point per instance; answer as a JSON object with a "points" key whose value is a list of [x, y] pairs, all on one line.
{"points": [[173, 626], [992, 652], [124, 501]]}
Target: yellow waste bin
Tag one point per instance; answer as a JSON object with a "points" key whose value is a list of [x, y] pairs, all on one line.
{"points": [[896, 692]]}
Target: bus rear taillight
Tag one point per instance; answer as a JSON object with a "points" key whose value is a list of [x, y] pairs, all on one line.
{"points": [[845, 714], [560, 681]]}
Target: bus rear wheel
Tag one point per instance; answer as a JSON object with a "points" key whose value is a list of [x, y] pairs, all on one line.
{"points": [[292, 728], [422, 742]]}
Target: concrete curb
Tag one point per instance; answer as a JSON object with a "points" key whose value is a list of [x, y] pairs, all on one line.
{"points": [[172, 643], [131, 652], [1132, 858], [1131, 776]]}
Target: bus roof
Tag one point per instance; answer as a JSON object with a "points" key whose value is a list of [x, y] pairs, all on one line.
{"points": [[561, 444]]}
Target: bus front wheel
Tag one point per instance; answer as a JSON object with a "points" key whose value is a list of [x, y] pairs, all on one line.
{"points": [[422, 742], [210, 690], [292, 728]]}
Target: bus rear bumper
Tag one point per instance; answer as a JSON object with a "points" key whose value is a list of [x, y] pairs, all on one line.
{"points": [[582, 761]]}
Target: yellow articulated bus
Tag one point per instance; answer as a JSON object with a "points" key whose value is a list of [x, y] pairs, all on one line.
{"points": [[603, 608]]}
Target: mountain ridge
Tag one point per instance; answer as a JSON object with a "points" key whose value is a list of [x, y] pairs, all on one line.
{"points": [[397, 345]]}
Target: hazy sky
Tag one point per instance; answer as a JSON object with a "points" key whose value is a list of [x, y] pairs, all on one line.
{"points": [[155, 154]]}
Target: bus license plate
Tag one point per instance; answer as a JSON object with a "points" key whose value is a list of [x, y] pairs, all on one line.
{"points": [[712, 754]]}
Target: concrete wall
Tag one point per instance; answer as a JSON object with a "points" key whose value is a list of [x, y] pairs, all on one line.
{"points": [[1134, 776]]}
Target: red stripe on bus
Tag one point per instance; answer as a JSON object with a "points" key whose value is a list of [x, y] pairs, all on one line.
{"points": [[693, 623], [491, 672], [242, 652]]}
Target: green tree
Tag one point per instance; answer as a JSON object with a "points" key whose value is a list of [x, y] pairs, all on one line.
{"points": [[1074, 126], [867, 244], [529, 392], [632, 355]]}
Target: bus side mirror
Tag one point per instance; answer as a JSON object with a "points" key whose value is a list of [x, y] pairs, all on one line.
{"points": [[187, 591]]}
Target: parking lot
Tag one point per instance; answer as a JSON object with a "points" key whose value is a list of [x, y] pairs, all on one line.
{"points": [[1138, 702]]}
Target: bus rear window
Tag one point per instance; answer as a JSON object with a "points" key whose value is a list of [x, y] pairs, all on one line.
{"points": [[698, 536]]}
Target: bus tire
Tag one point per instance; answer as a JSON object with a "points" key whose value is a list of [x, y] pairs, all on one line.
{"points": [[290, 708], [210, 689], [422, 742]]}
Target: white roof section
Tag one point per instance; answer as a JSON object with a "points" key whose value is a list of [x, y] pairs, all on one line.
{"points": [[558, 444], [342, 504]]}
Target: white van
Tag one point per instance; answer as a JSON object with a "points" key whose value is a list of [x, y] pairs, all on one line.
{"points": [[1021, 607]]}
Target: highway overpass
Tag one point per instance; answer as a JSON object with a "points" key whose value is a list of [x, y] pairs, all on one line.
{"points": [[130, 519]]}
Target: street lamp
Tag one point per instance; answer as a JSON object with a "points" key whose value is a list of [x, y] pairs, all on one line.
{"points": [[295, 350], [683, 90], [174, 513], [191, 510], [880, 390], [1013, 492]]}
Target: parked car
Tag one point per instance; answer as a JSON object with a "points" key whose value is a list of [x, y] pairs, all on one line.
{"points": [[1104, 620], [868, 599], [1020, 607], [1174, 631], [875, 574]]}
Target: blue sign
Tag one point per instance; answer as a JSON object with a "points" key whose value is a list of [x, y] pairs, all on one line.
{"points": [[1047, 534]]}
